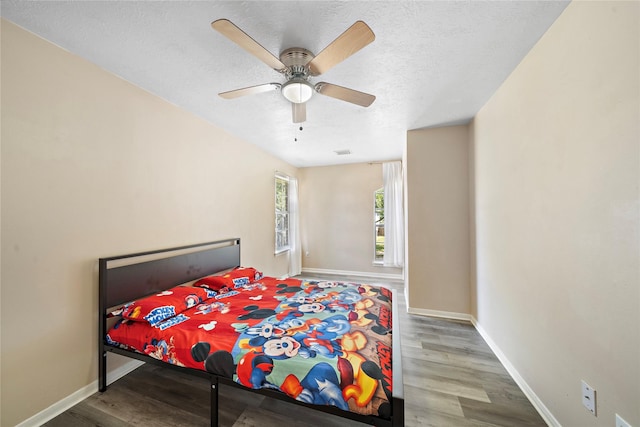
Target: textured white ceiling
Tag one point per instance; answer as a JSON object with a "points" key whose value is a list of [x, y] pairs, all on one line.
{"points": [[431, 64]]}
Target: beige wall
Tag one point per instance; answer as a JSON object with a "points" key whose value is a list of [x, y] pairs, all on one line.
{"points": [[437, 189], [93, 166], [557, 159], [336, 207]]}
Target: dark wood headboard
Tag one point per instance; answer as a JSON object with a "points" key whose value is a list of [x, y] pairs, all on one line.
{"points": [[124, 283], [124, 278]]}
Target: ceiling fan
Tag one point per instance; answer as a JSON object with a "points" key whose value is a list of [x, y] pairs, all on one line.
{"points": [[298, 64]]}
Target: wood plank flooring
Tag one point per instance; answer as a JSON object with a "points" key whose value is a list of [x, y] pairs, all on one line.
{"points": [[451, 378]]}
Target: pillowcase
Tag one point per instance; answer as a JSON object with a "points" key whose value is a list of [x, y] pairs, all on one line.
{"points": [[235, 278], [166, 304]]}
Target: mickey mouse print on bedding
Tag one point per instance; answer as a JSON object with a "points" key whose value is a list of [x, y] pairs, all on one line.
{"points": [[325, 343]]}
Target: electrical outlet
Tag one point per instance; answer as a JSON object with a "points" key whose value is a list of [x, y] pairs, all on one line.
{"points": [[620, 422], [589, 397]]}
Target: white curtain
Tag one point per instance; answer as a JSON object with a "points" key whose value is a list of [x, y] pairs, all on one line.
{"points": [[295, 249], [393, 214]]}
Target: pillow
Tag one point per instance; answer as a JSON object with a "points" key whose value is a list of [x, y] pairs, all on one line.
{"points": [[235, 278], [166, 304]]}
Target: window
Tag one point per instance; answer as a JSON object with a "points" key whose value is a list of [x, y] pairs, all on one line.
{"points": [[282, 213], [378, 224]]}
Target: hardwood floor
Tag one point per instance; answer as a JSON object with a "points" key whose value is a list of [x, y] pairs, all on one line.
{"points": [[451, 378]]}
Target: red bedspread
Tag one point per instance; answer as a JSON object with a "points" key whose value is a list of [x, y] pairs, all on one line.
{"points": [[325, 343]]}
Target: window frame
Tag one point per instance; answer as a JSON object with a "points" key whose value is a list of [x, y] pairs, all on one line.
{"points": [[378, 213], [278, 213]]}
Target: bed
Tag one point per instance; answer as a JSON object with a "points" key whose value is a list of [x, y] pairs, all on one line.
{"points": [[328, 345]]}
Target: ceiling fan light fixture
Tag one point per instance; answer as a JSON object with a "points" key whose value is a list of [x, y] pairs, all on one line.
{"points": [[297, 90]]}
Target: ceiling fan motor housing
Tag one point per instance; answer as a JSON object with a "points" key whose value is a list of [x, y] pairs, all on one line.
{"points": [[297, 89], [296, 60]]}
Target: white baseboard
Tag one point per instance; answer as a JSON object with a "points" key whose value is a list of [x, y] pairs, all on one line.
{"points": [[78, 396], [382, 276], [531, 395], [437, 313]]}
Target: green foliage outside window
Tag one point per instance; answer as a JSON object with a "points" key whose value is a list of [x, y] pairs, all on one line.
{"points": [[282, 213]]}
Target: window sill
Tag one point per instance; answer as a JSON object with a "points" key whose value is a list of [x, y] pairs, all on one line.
{"points": [[281, 251]]}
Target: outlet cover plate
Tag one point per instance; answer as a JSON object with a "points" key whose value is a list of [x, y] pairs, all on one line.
{"points": [[620, 422], [589, 397]]}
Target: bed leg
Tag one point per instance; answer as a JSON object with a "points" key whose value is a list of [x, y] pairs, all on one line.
{"points": [[102, 368], [214, 401], [398, 412]]}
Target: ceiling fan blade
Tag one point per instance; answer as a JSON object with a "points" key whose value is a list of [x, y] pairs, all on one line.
{"points": [[250, 90], [345, 94], [242, 39], [299, 112], [352, 40]]}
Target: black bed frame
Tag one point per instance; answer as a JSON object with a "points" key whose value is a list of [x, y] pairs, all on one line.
{"points": [[128, 277]]}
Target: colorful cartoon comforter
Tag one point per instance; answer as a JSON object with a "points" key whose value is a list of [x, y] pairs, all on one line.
{"points": [[326, 343]]}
